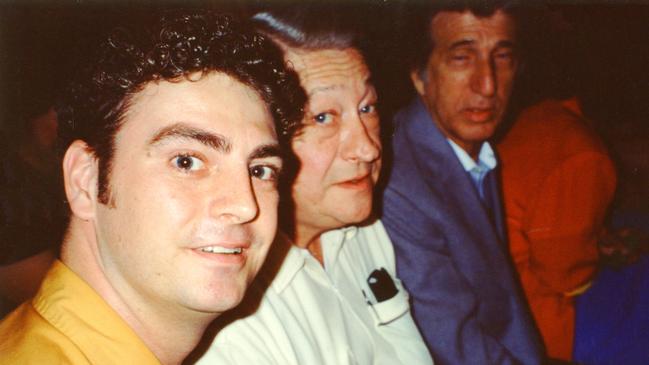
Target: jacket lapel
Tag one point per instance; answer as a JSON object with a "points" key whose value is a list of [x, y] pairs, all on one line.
{"points": [[436, 159]]}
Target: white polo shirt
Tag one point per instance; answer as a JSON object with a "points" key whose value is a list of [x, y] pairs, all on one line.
{"points": [[311, 316]]}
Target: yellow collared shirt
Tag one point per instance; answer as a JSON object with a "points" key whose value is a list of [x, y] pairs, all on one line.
{"points": [[67, 322]]}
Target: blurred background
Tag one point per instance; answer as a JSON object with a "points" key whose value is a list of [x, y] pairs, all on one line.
{"points": [[598, 51]]}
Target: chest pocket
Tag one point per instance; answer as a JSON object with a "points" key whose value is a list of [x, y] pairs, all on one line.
{"points": [[391, 309]]}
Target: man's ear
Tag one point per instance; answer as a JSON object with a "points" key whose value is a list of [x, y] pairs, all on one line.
{"points": [[417, 81], [80, 174]]}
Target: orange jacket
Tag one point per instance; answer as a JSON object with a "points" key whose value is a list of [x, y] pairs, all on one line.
{"points": [[558, 182]]}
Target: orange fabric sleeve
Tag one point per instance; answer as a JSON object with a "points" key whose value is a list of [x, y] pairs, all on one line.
{"points": [[562, 226]]}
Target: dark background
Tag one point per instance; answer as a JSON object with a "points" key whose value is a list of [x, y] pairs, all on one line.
{"points": [[599, 51]]}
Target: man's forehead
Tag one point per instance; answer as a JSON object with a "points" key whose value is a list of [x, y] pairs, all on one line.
{"points": [[198, 92], [327, 69], [214, 102], [448, 27]]}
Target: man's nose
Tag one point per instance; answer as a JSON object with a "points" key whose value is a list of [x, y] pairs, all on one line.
{"points": [[234, 199], [360, 145], [484, 78]]}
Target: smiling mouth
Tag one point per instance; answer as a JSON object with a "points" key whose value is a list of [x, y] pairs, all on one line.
{"points": [[480, 114], [358, 183], [359, 179], [222, 250]]}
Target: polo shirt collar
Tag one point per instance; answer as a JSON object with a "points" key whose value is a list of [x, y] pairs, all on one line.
{"points": [[331, 242], [292, 264], [81, 314]]}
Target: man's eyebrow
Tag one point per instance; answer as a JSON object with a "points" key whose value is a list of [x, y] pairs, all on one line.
{"points": [[183, 131], [320, 89], [371, 89], [368, 81], [461, 43], [267, 150], [505, 43]]}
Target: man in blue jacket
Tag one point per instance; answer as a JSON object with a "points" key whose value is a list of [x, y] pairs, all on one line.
{"points": [[442, 206]]}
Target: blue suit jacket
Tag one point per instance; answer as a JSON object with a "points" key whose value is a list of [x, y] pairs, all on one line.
{"points": [[466, 300]]}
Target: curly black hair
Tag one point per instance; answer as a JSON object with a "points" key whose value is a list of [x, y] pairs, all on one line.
{"points": [[177, 45]]}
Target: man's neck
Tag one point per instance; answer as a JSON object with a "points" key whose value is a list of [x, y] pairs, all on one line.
{"points": [[169, 335], [170, 339], [309, 238], [472, 149]]}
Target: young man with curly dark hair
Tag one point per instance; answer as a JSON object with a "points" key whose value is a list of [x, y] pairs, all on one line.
{"points": [[174, 137]]}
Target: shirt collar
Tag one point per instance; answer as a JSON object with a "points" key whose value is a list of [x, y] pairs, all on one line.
{"points": [[331, 243], [486, 158], [82, 315], [291, 265]]}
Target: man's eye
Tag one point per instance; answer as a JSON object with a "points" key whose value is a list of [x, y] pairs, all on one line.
{"points": [[263, 172], [187, 163], [367, 109], [460, 57], [323, 118], [507, 57]]}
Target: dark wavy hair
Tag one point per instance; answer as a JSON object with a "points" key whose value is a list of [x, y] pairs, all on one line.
{"points": [[176, 45]]}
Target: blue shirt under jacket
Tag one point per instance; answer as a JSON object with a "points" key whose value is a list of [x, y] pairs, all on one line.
{"points": [[466, 300]]}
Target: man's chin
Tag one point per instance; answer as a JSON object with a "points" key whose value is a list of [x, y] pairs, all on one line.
{"points": [[220, 297], [216, 308], [356, 216], [480, 133]]}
